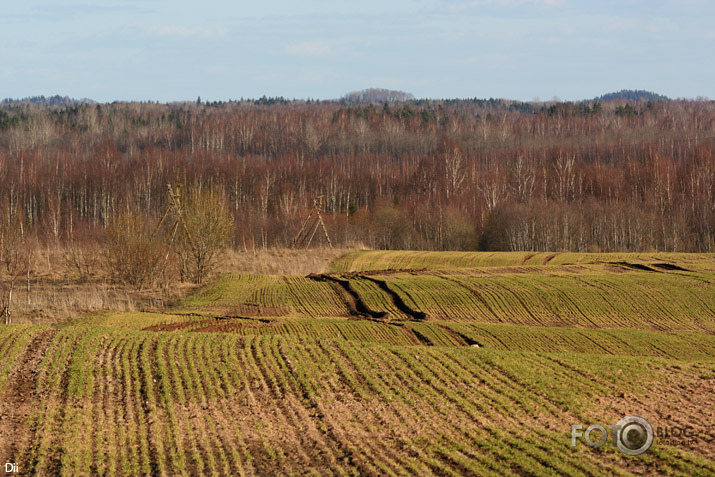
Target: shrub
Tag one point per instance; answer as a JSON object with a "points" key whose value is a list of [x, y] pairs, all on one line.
{"points": [[133, 251]]}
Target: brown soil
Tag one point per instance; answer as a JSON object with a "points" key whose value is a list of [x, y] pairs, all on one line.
{"points": [[421, 339], [549, 258], [634, 266], [228, 327], [175, 326], [668, 404], [670, 267], [527, 258], [357, 306], [254, 309], [219, 323], [20, 396], [389, 271]]}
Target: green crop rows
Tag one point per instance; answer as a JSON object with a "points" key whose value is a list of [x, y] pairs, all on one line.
{"points": [[128, 402], [272, 375], [398, 260], [267, 295], [595, 299]]}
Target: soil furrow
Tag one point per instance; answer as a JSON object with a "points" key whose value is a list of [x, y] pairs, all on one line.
{"points": [[146, 396], [20, 396]]}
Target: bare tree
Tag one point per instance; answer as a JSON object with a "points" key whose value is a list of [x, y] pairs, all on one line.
{"points": [[524, 177], [205, 231], [565, 176], [454, 168]]}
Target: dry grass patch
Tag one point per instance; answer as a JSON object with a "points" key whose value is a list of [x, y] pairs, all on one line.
{"points": [[280, 261]]}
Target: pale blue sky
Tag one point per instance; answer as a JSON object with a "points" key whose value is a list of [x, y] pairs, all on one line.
{"points": [[520, 49]]}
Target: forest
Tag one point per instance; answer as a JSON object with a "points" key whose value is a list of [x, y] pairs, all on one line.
{"points": [[596, 176]]}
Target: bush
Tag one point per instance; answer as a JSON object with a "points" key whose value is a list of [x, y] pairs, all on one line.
{"points": [[82, 260], [132, 250], [16, 250]]}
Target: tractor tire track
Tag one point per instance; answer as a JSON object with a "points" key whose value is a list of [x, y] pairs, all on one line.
{"points": [[356, 305], [397, 299]]}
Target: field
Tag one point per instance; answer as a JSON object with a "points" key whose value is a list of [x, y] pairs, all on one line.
{"points": [[391, 260], [397, 363]]}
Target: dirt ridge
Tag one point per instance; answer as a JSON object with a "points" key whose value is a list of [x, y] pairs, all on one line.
{"points": [[423, 339], [356, 305], [670, 267], [460, 337], [397, 299], [213, 322], [634, 266]]}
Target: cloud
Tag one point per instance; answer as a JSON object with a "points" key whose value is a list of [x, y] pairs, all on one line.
{"points": [[310, 48], [186, 32]]}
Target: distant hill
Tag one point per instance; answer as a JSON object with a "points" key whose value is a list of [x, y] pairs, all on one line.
{"points": [[632, 95], [55, 100], [377, 95]]}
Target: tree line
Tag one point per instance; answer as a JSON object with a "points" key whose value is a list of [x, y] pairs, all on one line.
{"points": [[443, 175]]}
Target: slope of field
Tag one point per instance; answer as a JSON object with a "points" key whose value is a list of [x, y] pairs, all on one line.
{"points": [[397, 260], [505, 337], [591, 297], [583, 296], [455, 370], [679, 345], [266, 295]]}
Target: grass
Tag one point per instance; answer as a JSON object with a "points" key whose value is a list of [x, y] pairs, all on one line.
{"points": [[280, 261]]}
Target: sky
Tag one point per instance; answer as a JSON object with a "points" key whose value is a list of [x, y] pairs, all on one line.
{"points": [[526, 50]]}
